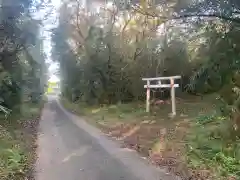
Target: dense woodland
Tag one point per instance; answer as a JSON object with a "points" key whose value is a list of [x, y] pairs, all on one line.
{"points": [[103, 55], [21, 54]]}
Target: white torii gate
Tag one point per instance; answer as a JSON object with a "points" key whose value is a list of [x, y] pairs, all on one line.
{"points": [[172, 85]]}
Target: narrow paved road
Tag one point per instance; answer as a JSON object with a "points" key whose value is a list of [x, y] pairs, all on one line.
{"points": [[71, 149]]}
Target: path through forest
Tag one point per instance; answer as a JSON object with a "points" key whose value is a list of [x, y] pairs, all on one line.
{"points": [[69, 148]]}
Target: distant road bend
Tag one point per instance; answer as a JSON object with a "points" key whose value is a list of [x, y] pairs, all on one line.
{"points": [[71, 149]]}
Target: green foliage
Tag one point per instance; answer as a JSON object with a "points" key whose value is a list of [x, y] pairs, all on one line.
{"points": [[229, 164], [19, 69], [16, 156], [209, 147], [204, 119], [11, 163], [107, 113], [12, 159]]}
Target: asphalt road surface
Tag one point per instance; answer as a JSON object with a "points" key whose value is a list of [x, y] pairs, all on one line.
{"points": [[71, 149]]}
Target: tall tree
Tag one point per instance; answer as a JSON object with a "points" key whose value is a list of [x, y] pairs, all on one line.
{"points": [[19, 35]]}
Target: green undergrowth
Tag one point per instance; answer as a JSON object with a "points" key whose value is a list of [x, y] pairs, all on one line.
{"points": [[16, 156], [135, 111], [108, 114], [209, 146]]}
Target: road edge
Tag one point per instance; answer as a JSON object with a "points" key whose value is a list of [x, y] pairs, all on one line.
{"points": [[130, 159]]}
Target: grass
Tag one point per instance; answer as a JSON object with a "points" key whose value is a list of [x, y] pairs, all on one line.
{"points": [[209, 145], [17, 143], [188, 145]]}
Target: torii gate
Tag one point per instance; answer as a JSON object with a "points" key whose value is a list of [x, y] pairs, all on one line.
{"points": [[172, 85]]}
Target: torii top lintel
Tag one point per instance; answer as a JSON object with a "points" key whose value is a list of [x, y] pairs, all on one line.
{"points": [[161, 78]]}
